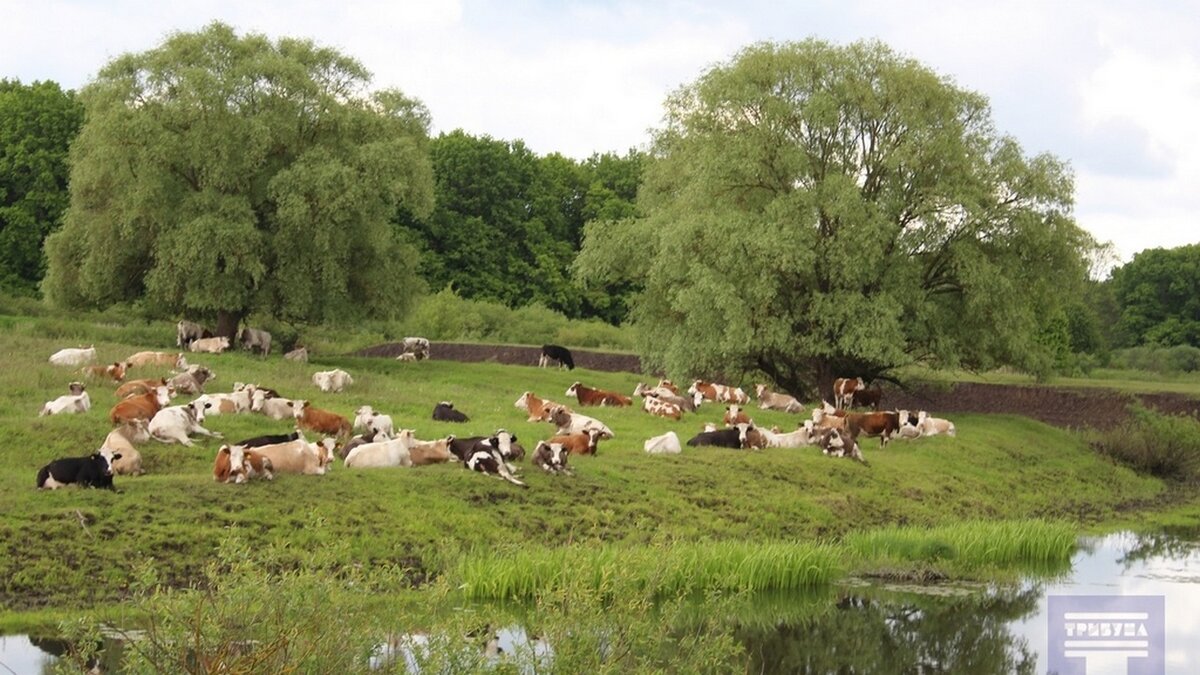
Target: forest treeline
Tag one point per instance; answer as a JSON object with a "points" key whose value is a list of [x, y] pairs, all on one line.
{"points": [[280, 184]]}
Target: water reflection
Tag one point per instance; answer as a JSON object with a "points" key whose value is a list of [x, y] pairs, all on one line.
{"points": [[870, 628]]}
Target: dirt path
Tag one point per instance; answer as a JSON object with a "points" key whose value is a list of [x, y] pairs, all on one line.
{"points": [[1061, 407]]}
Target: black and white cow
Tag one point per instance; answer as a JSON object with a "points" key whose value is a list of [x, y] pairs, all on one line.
{"points": [[445, 412], [485, 457], [556, 354], [92, 471], [270, 439]]}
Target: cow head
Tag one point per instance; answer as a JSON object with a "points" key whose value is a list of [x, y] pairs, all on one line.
{"points": [[298, 408], [365, 411], [556, 414], [162, 395], [104, 458], [256, 400], [667, 384], [745, 434], [76, 388], [594, 436], [504, 441], [181, 362], [759, 390], [553, 454], [573, 390], [523, 402], [640, 389]]}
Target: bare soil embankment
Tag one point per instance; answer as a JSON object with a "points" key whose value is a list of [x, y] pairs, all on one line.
{"points": [[1061, 407]]}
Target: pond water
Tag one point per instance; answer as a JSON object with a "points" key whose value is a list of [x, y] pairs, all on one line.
{"points": [[861, 627]]}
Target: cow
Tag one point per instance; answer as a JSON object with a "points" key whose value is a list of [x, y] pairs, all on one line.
{"points": [[93, 471], [660, 408], [734, 415], [684, 403], [275, 407], [210, 345], [334, 380], [600, 397], [407, 358], [113, 371], [667, 444], [667, 385], [445, 412], [556, 354], [120, 443], [417, 346], [366, 418], [762, 438], [538, 408], [431, 452], [299, 355], [320, 421], [505, 444], [881, 424], [551, 458], [269, 439], [72, 356], [579, 442], [140, 406], [835, 443], [822, 418], [299, 456], [769, 400], [382, 454], [239, 401], [368, 436], [255, 340], [238, 464], [192, 380], [932, 426], [721, 393], [843, 390], [866, 398], [77, 401], [485, 457], [187, 332], [721, 438], [567, 422], [165, 359], [174, 424], [135, 387]]}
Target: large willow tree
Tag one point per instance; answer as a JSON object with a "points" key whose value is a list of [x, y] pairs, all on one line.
{"points": [[218, 175], [817, 210]]}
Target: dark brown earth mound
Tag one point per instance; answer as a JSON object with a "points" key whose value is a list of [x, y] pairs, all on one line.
{"points": [[1097, 408]]}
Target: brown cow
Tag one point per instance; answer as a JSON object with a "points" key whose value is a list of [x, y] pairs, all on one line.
{"points": [[881, 424], [538, 408], [867, 398], [321, 421], [165, 359], [251, 464], [580, 442], [133, 387], [589, 396], [656, 406], [843, 390], [140, 407], [113, 371], [734, 415]]}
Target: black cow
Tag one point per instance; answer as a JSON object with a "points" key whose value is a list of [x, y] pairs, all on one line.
{"points": [[270, 439], [556, 354], [445, 412], [721, 438], [94, 471]]}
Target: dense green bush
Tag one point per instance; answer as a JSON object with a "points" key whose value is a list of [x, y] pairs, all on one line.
{"points": [[1178, 359], [1167, 446]]}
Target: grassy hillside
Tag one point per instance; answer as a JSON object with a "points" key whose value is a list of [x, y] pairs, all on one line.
{"points": [[73, 547]]}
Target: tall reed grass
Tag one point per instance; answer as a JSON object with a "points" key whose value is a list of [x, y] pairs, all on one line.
{"points": [[969, 545]]}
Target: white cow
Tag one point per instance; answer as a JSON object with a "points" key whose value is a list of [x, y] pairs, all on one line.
{"points": [[77, 401], [175, 423], [799, 438], [275, 407], [390, 453], [213, 345], [120, 442], [932, 426], [571, 422], [667, 444], [73, 357], [332, 380], [366, 418], [227, 404]]}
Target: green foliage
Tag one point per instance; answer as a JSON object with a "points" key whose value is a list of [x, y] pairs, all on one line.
{"points": [[37, 124], [1167, 446], [1177, 359], [219, 175], [1158, 296], [816, 210]]}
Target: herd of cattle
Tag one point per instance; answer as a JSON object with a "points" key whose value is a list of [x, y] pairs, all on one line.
{"points": [[144, 411]]}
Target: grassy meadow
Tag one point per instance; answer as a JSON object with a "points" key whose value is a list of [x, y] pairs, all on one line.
{"points": [[77, 548]]}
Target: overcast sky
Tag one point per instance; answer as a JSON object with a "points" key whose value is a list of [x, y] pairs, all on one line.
{"points": [[1112, 86]]}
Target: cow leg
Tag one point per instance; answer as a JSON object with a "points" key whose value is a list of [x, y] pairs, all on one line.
{"points": [[205, 432]]}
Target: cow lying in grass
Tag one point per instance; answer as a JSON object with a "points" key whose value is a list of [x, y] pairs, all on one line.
{"points": [[94, 471]]}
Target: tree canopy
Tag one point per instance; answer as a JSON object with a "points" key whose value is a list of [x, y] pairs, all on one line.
{"points": [[815, 210], [38, 121], [1158, 296], [218, 175]]}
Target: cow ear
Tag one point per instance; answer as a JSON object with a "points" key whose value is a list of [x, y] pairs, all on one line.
{"points": [[513, 438], [116, 457]]}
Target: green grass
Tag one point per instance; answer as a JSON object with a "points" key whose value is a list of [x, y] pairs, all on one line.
{"points": [[73, 548], [1128, 381]]}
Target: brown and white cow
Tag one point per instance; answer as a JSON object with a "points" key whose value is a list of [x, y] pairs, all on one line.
{"points": [[685, 403], [424, 453], [300, 456], [836, 443], [881, 424], [588, 396], [579, 443], [843, 390], [112, 371], [236, 464], [140, 406], [551, 458], [660, 408], [165, 359], [320, 421], [538, 408], [769, 400], [134, 387], [192, 380], [569, 422], [719, 392], [734, 415]]}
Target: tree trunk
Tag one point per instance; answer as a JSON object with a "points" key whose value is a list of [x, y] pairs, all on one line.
{"points": [[227, 325]]}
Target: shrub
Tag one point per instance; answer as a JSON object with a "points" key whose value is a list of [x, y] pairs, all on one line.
{"points": [[1167, 446]]}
